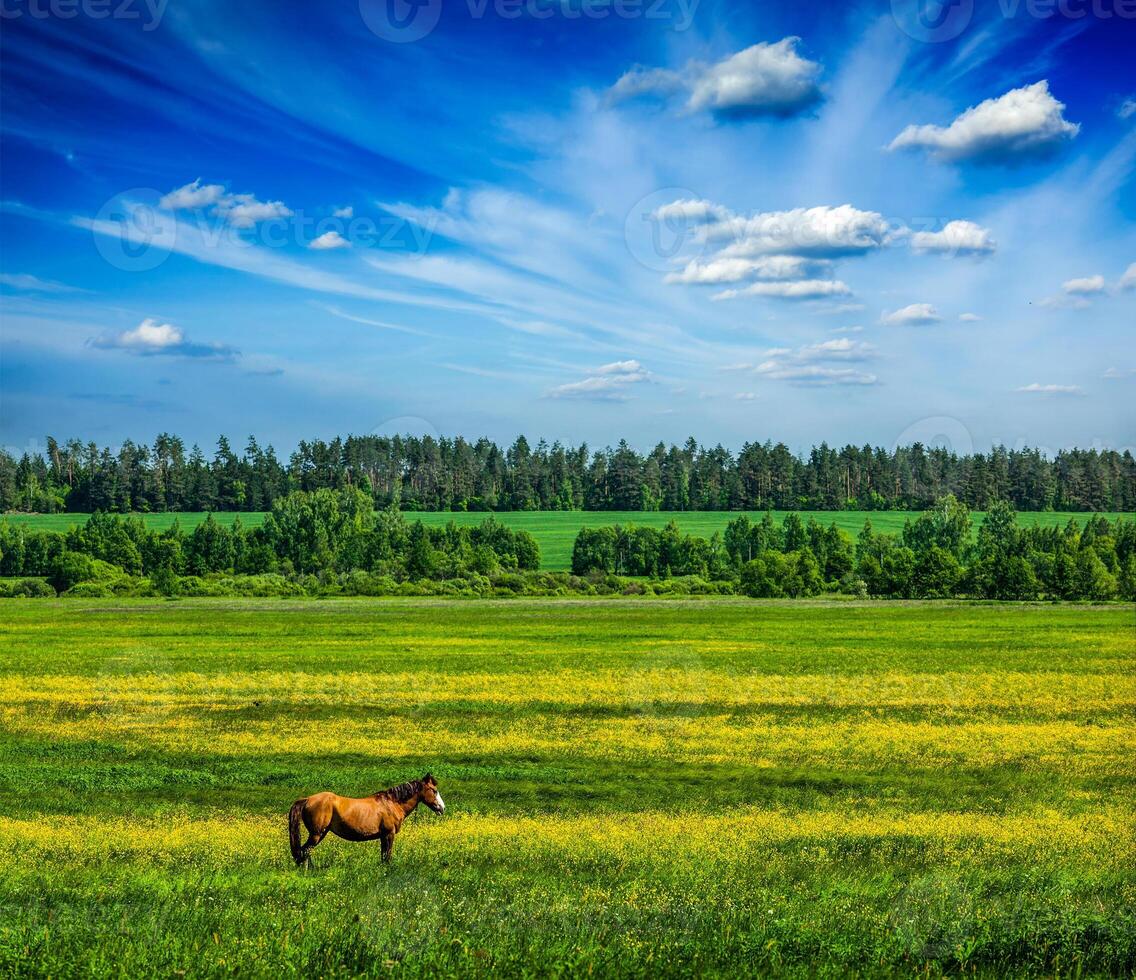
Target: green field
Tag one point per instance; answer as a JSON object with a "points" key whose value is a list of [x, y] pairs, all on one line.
{"points": [[632, 788], [556, 530]]}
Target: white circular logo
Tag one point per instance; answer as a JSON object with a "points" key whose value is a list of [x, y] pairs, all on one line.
{"points": [[400, 21], [131, 231], [932, 21]]}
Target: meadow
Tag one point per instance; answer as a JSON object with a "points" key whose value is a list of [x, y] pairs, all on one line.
{"points": [[555, 531], [632, 788]]}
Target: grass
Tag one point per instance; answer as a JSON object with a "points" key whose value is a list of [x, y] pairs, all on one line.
{"points": [[556, 531], [633, 788]]}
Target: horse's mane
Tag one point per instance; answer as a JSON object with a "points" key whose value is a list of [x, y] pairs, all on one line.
{"points": [[402, 792]]}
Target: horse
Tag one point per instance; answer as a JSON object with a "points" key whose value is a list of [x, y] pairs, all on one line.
{"points": [[376, 817]]}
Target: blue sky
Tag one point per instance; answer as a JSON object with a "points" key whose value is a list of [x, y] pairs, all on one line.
{"points": [[577, 219]]}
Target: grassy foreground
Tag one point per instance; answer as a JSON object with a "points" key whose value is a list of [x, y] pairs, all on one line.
{"points": [[632, 788], [555, 530]]}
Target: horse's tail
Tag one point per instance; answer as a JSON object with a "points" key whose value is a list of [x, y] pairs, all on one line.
{"points": [[294, 817]]}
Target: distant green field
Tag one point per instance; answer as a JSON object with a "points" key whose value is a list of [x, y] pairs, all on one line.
{"points": [[556, 530]]}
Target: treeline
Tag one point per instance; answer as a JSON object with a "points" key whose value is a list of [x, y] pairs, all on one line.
{"points": [[935, 557], [430, 474], [324, 535]]}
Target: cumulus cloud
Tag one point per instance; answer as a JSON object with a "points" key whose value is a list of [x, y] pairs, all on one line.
{"points": [[1085, 286], [1025, 122], [915, 315], [783, 254], [608, 382], [1040, 389], [956, 238], [346, 212], [1128, 280], [1117, 374], [239, 210], [969, 317], [329, 240], [762, 80], [151, 337], [192, 196], [820, 364], [725, 269]]}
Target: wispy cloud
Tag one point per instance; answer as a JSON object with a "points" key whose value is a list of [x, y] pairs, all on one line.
{"points": [[609, 382], [1040, 389], [914, 315]]}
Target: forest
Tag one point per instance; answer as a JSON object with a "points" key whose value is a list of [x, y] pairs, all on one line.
{"points": [[332, 542], [443, 474]]}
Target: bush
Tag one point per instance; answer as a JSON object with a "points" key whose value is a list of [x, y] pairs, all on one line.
{"points": [[26, 588]]}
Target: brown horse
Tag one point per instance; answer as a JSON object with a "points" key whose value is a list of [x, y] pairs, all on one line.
{"points": [[375, 817]]}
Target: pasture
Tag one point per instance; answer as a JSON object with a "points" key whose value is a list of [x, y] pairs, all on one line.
{"points": [[555, 531], [632, 788]]}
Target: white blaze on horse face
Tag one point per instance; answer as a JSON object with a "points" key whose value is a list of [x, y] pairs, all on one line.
{"points": [[441, 804]]}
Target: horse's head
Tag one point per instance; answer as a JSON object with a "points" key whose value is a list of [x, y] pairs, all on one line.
{"points": [[430, 795]]}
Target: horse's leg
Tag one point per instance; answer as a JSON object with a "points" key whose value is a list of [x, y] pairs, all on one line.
{"points": [[317, 825], [388, 845]]}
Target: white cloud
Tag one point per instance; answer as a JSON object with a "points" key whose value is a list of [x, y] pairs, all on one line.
{"points": [[822, 231], [153, 337], [731, 269], [692, 209], [915, 315], [1127, 109], [1024, 122], [1085, 286], [346, 212], [640, 81], [969, 317], [192, 196], [762, 80], [609, 382], [150, 335], [1039, 389], [1128, 280], [239, 210], [244, 210], [745, 396], [328, 240], [796, 289], [817, 364], [1116, 374], [956, 238], [33, 284]]}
